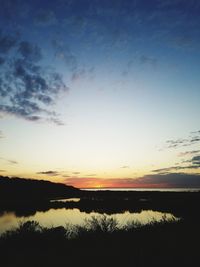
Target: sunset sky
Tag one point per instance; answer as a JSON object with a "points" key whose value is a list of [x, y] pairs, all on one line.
{"points": [[98, 93]]}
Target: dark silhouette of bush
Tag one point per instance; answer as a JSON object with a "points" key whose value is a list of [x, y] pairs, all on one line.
{"points": [[102, 243]]}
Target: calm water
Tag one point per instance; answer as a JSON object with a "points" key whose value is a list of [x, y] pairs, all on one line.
{"points": [[62, 217], [66, 200], [146, 189]]}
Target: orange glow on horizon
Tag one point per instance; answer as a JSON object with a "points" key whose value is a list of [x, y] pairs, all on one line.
{"points": [[112, 183]]}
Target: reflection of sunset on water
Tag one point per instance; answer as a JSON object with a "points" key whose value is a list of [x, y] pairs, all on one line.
{"points": [[64, 217]]}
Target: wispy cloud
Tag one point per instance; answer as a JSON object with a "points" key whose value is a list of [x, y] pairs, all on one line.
{"points": [[183, 142], [196, 132], [189, 153], [194, 164], [10, 161], [125, 167], [176, 168], [48, 173]]}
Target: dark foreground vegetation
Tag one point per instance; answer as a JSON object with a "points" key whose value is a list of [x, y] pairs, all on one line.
{"points": [[101, 243]]}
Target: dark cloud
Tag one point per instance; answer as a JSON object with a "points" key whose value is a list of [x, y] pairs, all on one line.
{"points": [[49, 173], [177, 143], [196, 160], [196, 132], [2, 170], [75, 173], [12, 162], [195, 139], [27, 89], [171, 180], [176, 168], [188, 153], [192, 139], [194, 164]]}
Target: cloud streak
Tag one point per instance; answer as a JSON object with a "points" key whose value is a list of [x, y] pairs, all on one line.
{"points": [[176, 168], [125, 167], [189, 153], [194, 164], [48, 173], [194, 138], [10, 161]]}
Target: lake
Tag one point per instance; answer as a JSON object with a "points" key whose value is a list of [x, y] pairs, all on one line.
{"points": [[63, 217]]}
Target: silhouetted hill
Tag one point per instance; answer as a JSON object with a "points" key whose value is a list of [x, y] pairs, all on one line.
{"points": [[29, 189]]}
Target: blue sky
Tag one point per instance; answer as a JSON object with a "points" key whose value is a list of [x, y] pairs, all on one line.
{"points": [[100, 93]]}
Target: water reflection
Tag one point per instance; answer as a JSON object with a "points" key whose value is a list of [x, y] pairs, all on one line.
{"points": [[66, 200], [63, 217]]}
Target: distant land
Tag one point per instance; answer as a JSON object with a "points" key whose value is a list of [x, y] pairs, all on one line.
{"points": [[16, 188], [162, 189]]}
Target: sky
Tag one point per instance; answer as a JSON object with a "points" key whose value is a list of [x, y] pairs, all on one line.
{"points": [[97, 93]]}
